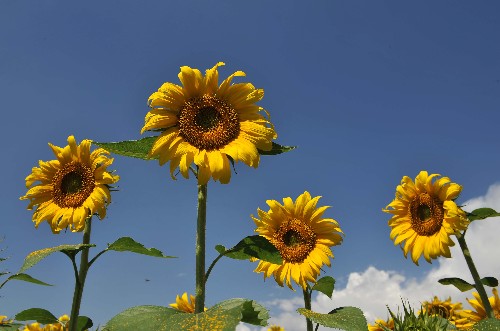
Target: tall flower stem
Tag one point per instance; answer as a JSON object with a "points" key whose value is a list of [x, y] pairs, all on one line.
{"points": [[307, 305], [475, 275], [80, 279], [199, 305]]}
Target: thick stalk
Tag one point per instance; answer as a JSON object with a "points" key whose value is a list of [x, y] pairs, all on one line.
{"points": [[307, 305], [80, 280], [199, 305], [475, 275]]}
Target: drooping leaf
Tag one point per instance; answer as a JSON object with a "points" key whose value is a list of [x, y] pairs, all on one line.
{"points": [[141, 318], [344, 318], [277, 149], [489, 324], [459, 283], [132, 148], [489, 281], [127, 244], [325, 285], [36, 256], [27, 278], [253, 246], [482, 213], [83, 323], [36, 314]]}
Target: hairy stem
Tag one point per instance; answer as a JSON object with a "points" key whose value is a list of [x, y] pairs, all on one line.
{"points": [[199, 306], [307, 305]]}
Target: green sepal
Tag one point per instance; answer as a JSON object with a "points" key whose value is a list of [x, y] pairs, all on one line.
{"points": [[325, 285], [27, 278], [482, 213], [37, 314], [34, 257], [141, 318], [252, 246], [344, 318], [489, 324], [127, 244], [459, 283], [132, 148], [83, 323], [277, 149]]}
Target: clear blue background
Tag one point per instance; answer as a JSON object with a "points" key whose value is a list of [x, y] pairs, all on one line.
{"points": [[369, 91]]}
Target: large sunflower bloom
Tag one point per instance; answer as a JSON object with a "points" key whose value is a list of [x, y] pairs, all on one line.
{"points": [[185, 304], [72, 188], [447, 310], [302, 236], [425, 216], [208, 124], [480, 311], [377, 326]]}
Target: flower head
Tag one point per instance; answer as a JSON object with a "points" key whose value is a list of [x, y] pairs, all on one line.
{"points": [[301, 235], [4, 320], [425, 216], [184, 303], [209, 124], [275, 328], [447, 310], [480, 311], [377, 326], [72, 188]]}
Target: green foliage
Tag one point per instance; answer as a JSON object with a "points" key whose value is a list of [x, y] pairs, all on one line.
{"points": [[252, 246], [325, 285], [464, 286], [277, 149], [83, 323], [489, 324], [481, 214], [37, 314], [10, 327], [127, 244], [344, 318], [34, 257], [409, 321], [27, 278], [223, 316], [132, 148]]}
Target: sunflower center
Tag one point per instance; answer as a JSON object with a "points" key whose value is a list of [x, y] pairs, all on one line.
{"points": [[208, 122], [72, 185], [427, 214], [294, 240], [439, 310]]}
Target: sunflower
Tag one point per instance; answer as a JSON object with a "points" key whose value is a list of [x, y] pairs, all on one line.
{"points": [[4, 320], [208, 124], [301, 235], [447, 310], [275, 328], [62, 325], [480, 311], [68, 190], [425, 216], [377, 326], [184, 303]]}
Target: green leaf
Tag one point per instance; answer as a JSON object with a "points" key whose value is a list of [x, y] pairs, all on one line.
{"points": [[344, 318], [36, 256], [132, 148], [127, 244], [325, 285], [36, 314], [481, 214], [27, 278], [220, 249], [10, 327], [141, 318], [277, 149], [489, 281], [461, 284], [83, 323], [489, 324], [224, 316], [253, 246]]}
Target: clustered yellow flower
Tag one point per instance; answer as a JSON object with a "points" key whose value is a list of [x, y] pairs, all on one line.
{"points": [[62, 325], [208, 124]]}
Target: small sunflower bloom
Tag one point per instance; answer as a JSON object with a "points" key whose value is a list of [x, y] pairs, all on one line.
{"points": [[73, 187], [275, 328], [301, 235], [4, 320], [377, 326], [479, 312], [184, 303], [425, 215], [447, 310], [208, 124]]}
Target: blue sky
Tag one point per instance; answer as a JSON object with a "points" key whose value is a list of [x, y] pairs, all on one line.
{"points": [[368, 91]]}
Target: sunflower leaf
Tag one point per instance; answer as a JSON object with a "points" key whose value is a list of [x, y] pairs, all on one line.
{"points": [[27, 278], [36, 256], [459, 283], [36, 314], [127, 244], [83, 323], [489, 324], [277, 149], [325, 285], [132, 148], [344, 318], [482, 213], [489, 281], [253, 246], [141, 318]]}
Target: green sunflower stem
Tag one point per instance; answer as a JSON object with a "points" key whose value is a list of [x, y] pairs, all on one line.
{"points": [[80, 280], [307, 305], [199, 305], [475, 275]]}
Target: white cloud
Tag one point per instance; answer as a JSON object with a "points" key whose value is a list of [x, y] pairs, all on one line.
{"points": [[373, 289]]}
